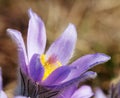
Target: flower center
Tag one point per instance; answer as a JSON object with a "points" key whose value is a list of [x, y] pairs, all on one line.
{"points": [[49, 65]]}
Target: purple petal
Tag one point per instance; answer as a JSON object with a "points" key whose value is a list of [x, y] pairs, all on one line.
{"points": [[57, 76], [17, 38], [36, 68], [3, 95], [81, 78], [36, 38], [83, 92], [75, 81], [0, 79], [99, 93], [85, 63], [21, 97], [67, 92], [63, 47]]}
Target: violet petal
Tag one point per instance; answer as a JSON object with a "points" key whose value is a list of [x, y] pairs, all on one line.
{"points": [[57, 76], [36, 68], [0, 79], [17, 38], [85, 63], [67, 92], [99, 93], [21, 97], [36, 38], [75, 81], [83, 92], [63, 47], [3, 95], [81, 78]]}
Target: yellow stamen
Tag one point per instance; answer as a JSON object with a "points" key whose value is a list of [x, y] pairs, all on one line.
{"points": [[48, 66]]}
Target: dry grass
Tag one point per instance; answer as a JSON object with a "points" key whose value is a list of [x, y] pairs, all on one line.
{"points": [[97, 22]]}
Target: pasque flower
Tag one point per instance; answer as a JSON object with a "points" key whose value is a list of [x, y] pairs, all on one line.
{"points": [[51, 68], [114, 91]]}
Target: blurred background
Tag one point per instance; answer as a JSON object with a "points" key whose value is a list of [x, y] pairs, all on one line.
{"points": [[97, 23]]}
